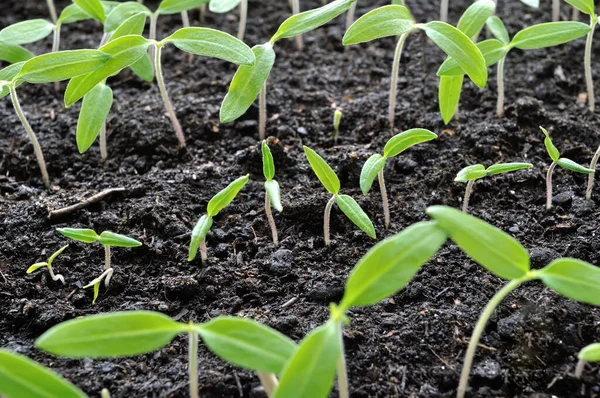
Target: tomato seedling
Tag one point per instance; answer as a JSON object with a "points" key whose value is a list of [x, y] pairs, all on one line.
{"points": [[48, 264], [590, 353], [337, 118], [272, 190]]}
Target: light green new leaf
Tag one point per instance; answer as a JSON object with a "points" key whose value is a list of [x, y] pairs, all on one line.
{"points": [[507, 167], [590, 353], [26, 31], [492, 50], [72, 13], [133, 25], [35, 267], [93, 114], [247, 83], [177, 6], [391, 264], [469, 173], [449, 95], [311, 20], [56, 254], [473, 19], [267, 158], [552, 151], [400, 142], [571, 165], [108, 238], [199, 235], [226, 196], [118, 334], [122, 12], [93, 8], [272, 188], [222, 6], [549, 34], [212, 43], [12, 53], [369, 172], [82, 235], [247, 343], [22, 377], [62, 65], [585, 6], [7, 74], [391, 20], [323, 171], [498, 29], [492, 248], [355, 213], [311, 370], [574, 279]]}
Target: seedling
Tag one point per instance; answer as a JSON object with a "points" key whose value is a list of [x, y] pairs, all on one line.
{"points": [[224, 6], [48, 264], [240, 341], [250, 81], [470, 174], [106, 239], [396, 20], [503, 256], [562, 162], [272, 191], [13, 36], [590, 353], [349, 207], [376, 163], [337, 117], [215, 205]]}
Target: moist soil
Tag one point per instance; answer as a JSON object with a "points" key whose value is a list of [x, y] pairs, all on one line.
{"points": [[409, 345]]}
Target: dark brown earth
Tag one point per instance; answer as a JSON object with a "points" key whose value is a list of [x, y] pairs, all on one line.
{"points": [[411, 345]]}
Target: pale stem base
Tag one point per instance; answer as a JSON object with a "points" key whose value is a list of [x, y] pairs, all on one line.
{"points": [[575, 14], [465, 205], [327, 216], [52, 10], [579, 369], [193, 362], [296, 10], [444, 11], [342, 372], [152, 36], [350, 15], [555, 10], [103, 146], [549, 186], [57, 277], [203, 252], [590, 186], [384, 199], [165, 97], [262, 116], [500, 83], [271, 220], [394, 79], [269, 382], [202, 10], [243, 18], [56, 47], [107, 264], [588, 66]]}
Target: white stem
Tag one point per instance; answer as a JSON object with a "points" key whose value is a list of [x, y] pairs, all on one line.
{"points": [[106, 257], [350, 15], [500, 83], [575, 14], [296, 10], [326, 220], [579, 369], [56, 47], [590, 186], [342, 372], [444, 11], [588, 65], [103, 146], [549, 186], [52, 10], [262, 116], [185, 19], [465, 206], [555, 10], [394, 79], [193, 362], [57, 277], [243, 17], [384, 199], [165, 96], [152, 36], [202, 10], [203, 252], [269, 382], [271, 220]]}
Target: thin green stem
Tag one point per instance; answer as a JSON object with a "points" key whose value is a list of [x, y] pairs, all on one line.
{"points": [[342, 372], [103, 146], [394, 79], [193, 361], [243, 18], [468, 191], [444, 11], [106, 256], [326, 220], [271, 220], [590, 186], [36, 145], [269, 382], [52, 10], [262, 115], [500, 83], [588, 64], [384, 199], [549, 186], [296, 10], [350, 15], [165, 96]]}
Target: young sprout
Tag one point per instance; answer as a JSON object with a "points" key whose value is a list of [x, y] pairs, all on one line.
{"points": [[590, 353], [472, 173], [396, 20], [337, 117], [503, 256], [272, 191], [106, 239], [349, 207], [48, 264], [376, 163], [224, 6], [562, 162], [215, 205]]}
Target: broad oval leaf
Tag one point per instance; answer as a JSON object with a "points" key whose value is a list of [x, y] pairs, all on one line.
{"points": [[13, 53], [222, 6], [108, 238], [590, 353], [355, 213], [272, 188], [311, 370], [94, 110], [247, 83], [573, 166], [122, 12], [550, 148], [7, 74], [372, 167], [80, 234], [400, 142], [498, 29], [117, 334], [492, 50], [226, 196], [22, 377], [199, 235], [492, 248], [449, 95], [391, 264], [247, 343], [93, 8], [72, 13], [390, 20], [574, 279], [507, 167], [26, 31], [549, 34], [62, 65], [267, 158], [473, 19], [311, 20], [469, 173], [177, 6], [212, 43], [323, 171], [585, 6], [133, 25]]}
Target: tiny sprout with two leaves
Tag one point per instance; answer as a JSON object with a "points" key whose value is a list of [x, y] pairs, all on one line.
{"points": [[375, 165], [472, 173], [346, 203], [48, 264], [272, 190], [590, 353], [215, 205]]}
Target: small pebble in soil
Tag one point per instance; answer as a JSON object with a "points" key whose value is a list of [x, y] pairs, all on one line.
{"points": [[541, 256], [488, 369], [563, 198], [281, 261], [284, 324], [325, 292]]}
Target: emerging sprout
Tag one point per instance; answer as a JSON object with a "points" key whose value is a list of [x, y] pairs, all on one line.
{"points": [[216, 204], [223, 6], [503, 256], [472, 173], [272, 191], [106, 239], [48, 264], [376, 163], [562, 162], [349, 207], [590, 353], [337, 117]]}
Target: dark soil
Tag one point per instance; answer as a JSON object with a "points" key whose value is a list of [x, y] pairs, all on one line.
{"points": [[410, 345]]}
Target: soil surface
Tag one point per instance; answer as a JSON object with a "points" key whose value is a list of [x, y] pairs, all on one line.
{"points": [[412, 344]]}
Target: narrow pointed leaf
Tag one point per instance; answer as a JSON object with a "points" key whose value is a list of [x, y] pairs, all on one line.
{"points": [[71, 14], [590, 353], [585, 6], [552, 151], [469, 173], [226, 196], [13, 53], [549, 34], [35, 267], [498, 29], [199, 235], [473, 19], [177, 6], [93, 8], [222, 6], [573, 166], [507, 168], [323, 171], [79, 234], [492, 50], [56, 254], [133, 25], [62, 65], [391, 20], [449, 95], [272, 188], [94, 111], [108, 238], [26, 31], [356, 214], [574, 279], [369, 172], [122, 12], [400, 142], [267, 158]]}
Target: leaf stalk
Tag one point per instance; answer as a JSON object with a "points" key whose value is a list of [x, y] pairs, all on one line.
{"points": [[165, 96], [394, 79]]}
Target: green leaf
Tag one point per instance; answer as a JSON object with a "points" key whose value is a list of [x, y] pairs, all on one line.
{"points": [[590, 353], [82, 235], [272, 188], [117, 334], [12, 53], [143, 68], [311, 20], [35, 267], [492, 248], [56, 254], [585, 6], [93, 8], [391, 264], [492, 50], [22, 377], [552, 151], [26, 31], [400, 142], [323, 171], [62, 65], [473, 19], [458, 46], [226, 196], [247, 83], [72, 13], [108, 238], [574, 279], [268, 164], [177, 6], [498, 29], [531, 3], [222, 6], [247, 343], [469, 173], [311, 370], [122, 12], [355, 213], [571, 165], [199, 235], [94, 110], [549, 34], [391, 20], [133, 25], [372, 167], [7, 74], [449, 95], [507, 168], [212, 43]]}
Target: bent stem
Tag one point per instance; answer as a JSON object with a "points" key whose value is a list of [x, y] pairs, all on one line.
{"points": [[500, 83], [52, 9], [444, 11], [342, 372], [350, 15], [588, 192], [555, 10], [57, 277], [193, 361], [36, 145], [296, 10], [103, 146], [271, 220], [579, 369], [269, 382], [394, 79], [243, 17], [262, 115], [165, 97], [467, 196], [588, 64], [549, 185], [384, 199], [326, 220], [203, 252]]}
